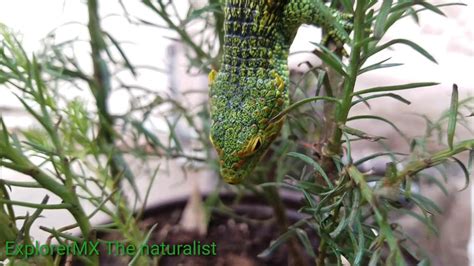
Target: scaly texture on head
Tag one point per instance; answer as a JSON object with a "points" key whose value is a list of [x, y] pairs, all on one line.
{"points": [[252, 84]]}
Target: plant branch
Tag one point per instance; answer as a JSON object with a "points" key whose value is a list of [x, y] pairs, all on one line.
{"points": [[342, 111]]}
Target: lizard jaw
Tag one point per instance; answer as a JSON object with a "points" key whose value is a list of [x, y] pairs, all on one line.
{"points": [[231, 176]]}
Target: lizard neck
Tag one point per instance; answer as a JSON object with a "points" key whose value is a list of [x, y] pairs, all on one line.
{"points": [[253, 39]]}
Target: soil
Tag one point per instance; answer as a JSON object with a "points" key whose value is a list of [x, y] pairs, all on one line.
{"points": [[238, 241]]}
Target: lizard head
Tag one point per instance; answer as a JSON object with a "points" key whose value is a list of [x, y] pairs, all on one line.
{"points": [[240, 131], [240, 147]]}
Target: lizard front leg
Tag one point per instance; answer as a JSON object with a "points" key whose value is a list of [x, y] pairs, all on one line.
{"points": [[337, 25]]}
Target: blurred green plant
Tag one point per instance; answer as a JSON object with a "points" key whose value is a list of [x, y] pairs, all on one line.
{"points": [[349, 209], [82, 153]]}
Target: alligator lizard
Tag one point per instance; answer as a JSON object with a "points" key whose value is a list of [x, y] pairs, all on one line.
{"points": [[253, 82]]}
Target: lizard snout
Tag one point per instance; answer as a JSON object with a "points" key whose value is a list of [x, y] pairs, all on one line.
{"points": [[230, 176]]}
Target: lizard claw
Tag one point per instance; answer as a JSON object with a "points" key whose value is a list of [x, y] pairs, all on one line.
{"points": [[334, 38]]}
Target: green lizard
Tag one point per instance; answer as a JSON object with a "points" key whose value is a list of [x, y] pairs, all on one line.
{"points": [[252, 84]]}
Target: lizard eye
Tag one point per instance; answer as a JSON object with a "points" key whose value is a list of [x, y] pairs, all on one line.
{"points": [[257, 145], [252, 146]]}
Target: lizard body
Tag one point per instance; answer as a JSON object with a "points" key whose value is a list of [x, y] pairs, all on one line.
{"points": [[253, 82]]}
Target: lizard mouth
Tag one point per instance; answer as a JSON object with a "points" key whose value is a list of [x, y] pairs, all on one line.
{"points": [[232, 177]]}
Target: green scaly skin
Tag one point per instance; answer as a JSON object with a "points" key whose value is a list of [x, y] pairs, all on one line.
{"points": [[253, 82]]}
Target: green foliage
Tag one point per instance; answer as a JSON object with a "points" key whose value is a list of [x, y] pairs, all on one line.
{"points": [[348, 209], [81, 153], [351, 211]]}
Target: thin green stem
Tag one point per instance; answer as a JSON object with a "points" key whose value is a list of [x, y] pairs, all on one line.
{"points": [[279, 210], [181, 31], [437, 158], [101, 88], [37, 206], [321, 253], [342, 111], [21, 164]]}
